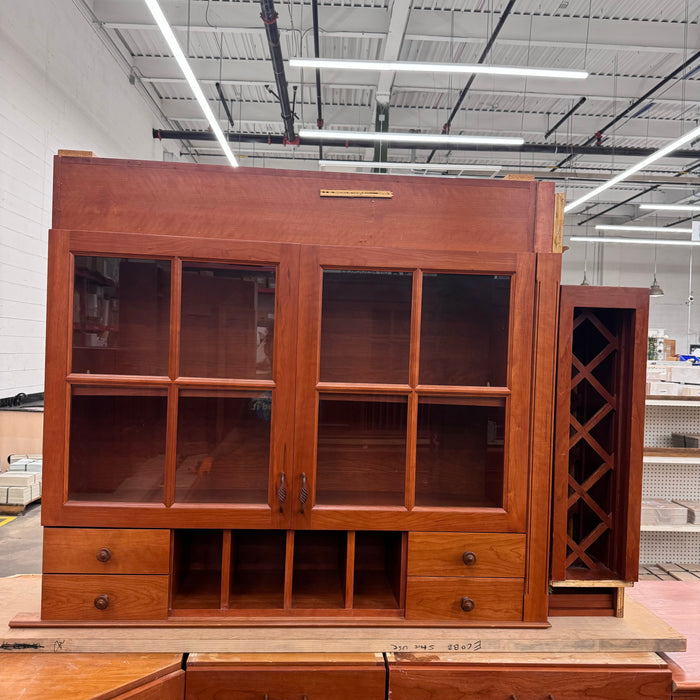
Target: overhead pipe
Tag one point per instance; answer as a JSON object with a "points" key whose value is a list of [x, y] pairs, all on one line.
{"points": [[482, 58], [269, 17], [633, 152], [564, 118], [319, 103], [598, 135], [224, 103]]}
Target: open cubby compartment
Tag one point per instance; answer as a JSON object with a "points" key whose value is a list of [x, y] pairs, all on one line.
{"points": [[257, 569], [378, 570], [197, 566], [320, 569]]}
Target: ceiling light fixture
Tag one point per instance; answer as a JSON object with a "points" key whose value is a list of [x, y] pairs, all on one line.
{"points": [[674, 145], [670, 207], [662, 229], [366, 164], [435, 139], [168, 35], [421, 67], [635, 241]]}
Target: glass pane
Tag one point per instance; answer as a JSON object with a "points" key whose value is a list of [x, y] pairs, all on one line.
{"points": [[464, 330], [121, 316], [361, 450], [365, 326], [117, 444], [459, 454], [223, 447], [227, 325]]}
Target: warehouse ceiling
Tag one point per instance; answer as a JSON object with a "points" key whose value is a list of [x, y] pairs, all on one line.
{"points": [[643, 91]]}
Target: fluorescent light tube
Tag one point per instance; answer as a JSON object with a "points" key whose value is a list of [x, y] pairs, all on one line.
{"points": [[670, 207], [674, 145], [406, 166], [447, 139], [167, 32], [639, 241], [418, 67], [662, 229]]}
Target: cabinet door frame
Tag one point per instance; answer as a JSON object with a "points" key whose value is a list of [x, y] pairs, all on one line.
{"points": [[513, 516], [64, 245]]}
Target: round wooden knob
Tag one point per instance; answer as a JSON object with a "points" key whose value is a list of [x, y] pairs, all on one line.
{"points": [[102, 602], [467, 604], [103, 555], [469, 558]]}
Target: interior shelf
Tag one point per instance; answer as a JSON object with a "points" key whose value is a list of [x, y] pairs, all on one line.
{"points": [[689, 527], [672, 455], [673, 401]]}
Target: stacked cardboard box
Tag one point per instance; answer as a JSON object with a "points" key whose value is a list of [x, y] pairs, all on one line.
{"points": [[659, 511], [22, 484], [693, 510]]}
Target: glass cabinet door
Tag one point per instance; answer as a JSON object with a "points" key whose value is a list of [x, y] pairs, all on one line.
{"points": [[413, 384], [180, 382]]}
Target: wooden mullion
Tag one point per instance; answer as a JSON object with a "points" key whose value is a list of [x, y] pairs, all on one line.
{"points": [[350, 570], [175, 317], [226, 568], [413, 379], [362, 388], [411, 448], [289, 570], [170, 447]]}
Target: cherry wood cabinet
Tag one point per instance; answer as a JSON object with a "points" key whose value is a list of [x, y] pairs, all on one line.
{"points": [[317, 407]]}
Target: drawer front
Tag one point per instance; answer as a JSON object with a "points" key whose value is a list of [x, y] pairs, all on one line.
{"points": [[465, 599], [313, 683], [466, 554], [96, 551], [88, 597], [573, 683]]}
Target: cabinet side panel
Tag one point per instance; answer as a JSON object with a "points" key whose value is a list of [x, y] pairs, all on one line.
{"points": [[542, 424], [55, 395]]}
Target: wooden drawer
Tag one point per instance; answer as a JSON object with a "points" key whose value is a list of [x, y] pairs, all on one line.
{"points": [[96, 551], [448, 554], [432, 598], [286, 676], [76, 597], [523, 683]]}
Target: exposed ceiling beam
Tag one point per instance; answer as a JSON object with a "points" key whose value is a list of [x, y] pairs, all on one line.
{"points": [[399, 10]]}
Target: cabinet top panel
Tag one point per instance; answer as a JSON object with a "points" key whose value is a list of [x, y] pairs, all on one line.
{"points": [[181, 199]]}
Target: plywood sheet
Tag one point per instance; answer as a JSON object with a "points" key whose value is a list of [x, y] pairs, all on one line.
{"points": [[638, 631]]}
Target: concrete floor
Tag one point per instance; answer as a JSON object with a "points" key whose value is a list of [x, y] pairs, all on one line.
{"points": [[20, 542]]}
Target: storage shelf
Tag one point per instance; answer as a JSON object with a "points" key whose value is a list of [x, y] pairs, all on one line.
{"points": [[689, 527], [672, 455], [673, 401]]}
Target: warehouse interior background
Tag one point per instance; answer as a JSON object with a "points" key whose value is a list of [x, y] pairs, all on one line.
{"points": [[97, 75]]}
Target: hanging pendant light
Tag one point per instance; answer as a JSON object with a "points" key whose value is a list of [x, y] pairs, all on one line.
{"points": [[585, 282], [655, 289]]}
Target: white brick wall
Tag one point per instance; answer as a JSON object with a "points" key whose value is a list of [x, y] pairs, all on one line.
{"points": [[59, 88]]}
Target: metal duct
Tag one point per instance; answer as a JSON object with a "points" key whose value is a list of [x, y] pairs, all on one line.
{"points": [[607, 151], [269, 17]]}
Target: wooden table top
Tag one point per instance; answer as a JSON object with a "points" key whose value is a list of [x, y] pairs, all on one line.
{"points": [[678, 604]]}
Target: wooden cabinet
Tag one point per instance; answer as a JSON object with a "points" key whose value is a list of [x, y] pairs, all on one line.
{"points": [[452, 679], [315, 409], [286, 676]]}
